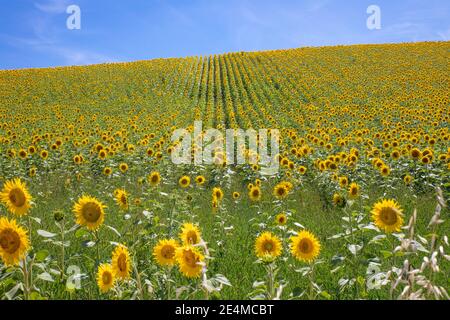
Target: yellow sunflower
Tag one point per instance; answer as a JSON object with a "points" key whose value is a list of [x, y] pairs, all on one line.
{"points": [[164, 252], [154, 178], [14, 242], [255, 193], [189, 261], [121, 263], [305, 246], [338, 200], [15, 197], [190, 234], [184, 181], [107, 171], [281, 219], [121, 198], [407, 179], [200, 180], [89, 212], [387, 215], [280, 191], [353, 190], [105, 277], [123, 167], [268, 244], [218, 193]]}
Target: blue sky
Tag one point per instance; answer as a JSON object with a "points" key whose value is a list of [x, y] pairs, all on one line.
{"points": [[33, 33]]}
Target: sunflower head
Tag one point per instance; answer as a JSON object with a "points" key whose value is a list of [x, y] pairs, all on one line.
{"points": [[305, 246], [254, 193], [387, 215], [353, 190], [184, 181], [190, 261], [154, 178], [218, 193], [123, 167], [15, 197], [267, 244], [407, 179], [121, 197], [89, 212], [14, 242], [200, 180], [281, 219], [105, 277], [164, 252], [280, 191], [339, 200], [190, 234], [107, 171], [121, 262]]}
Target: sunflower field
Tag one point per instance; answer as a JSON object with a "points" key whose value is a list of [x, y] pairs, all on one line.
{"points": [[92, 206]]}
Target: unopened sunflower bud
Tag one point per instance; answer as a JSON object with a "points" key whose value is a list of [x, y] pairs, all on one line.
{"points": [[58, 215]]}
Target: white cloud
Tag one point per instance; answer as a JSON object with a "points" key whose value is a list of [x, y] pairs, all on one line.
{"points": [[52, 6]]}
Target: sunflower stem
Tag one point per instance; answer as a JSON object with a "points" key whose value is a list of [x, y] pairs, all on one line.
{"points": [[311, 283]]}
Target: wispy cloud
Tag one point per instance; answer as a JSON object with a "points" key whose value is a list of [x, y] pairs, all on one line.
{"points": [[52, 6]]}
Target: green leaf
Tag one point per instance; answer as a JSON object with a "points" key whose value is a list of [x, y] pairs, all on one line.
{"points": [[297, 291], [46, 277], [326, 295], [81, 233], [46, 234], [41, 255], [386, 254]]}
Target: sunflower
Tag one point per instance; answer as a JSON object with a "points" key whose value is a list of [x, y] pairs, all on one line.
{"points": [[164, 252], [184, 181], [121, 198], [305, 246], [123, 167], [44, 154], [281, 219], [107, 171], [407, 179], [22, 153], [121, 263], [385, 171], [14, 242], [280, 191], [105, 277], [218, 193], [338, 200], [200, 180], [236, 195], [189, 260], [89, 212], [353, 190], [268, 244], [102, 154], [32, 172], [387, 215], [154, 178], [255, 193], [302, 169], [343, 182], [15, 197], [190, 234]]}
